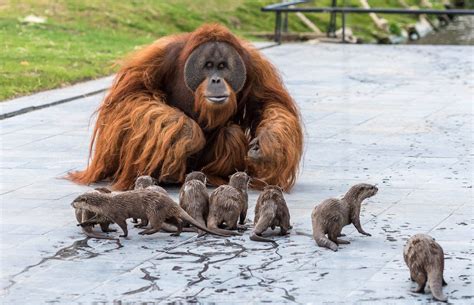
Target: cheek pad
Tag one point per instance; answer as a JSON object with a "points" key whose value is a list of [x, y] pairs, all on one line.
{"points": [[237, 74], [193, 74]]}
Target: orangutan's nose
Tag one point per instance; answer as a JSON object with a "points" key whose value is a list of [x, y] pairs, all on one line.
{"points": [[215, 80]]}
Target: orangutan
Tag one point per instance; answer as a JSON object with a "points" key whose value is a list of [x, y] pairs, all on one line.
{"points": [[205, 101]]}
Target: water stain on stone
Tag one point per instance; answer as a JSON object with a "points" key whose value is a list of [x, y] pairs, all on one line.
{"points": [[147, 277], [66, 253]]}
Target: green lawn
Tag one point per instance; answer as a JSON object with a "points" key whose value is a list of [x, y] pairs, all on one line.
{"points": [[84, 39]]}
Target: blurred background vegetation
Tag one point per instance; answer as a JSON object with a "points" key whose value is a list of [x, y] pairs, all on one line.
{"points": [[84, 39]]}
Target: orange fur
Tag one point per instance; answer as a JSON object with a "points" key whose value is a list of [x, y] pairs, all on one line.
{"points": [[213, 115], [138, 132], [281, 145], [226, 154], [137, 138]]}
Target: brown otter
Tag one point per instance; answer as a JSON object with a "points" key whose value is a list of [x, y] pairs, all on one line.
{"points": [[228, 203], [425, 259], [194, 199], [93, 219], [331, 215], [146, 182], [270, 211], [153, 206], [149, 183]]}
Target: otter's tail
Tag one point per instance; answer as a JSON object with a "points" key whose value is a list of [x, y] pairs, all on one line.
{"points": [[435, 280], [255, 237], [185, 216], [88, 232], [267, 215], [201, 220], [323, 241]]}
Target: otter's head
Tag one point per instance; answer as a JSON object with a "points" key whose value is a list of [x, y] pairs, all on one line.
{"points": [[143, 182], [273, 191], [196, 176], [81, 201], [364, 190], [239, 180]]}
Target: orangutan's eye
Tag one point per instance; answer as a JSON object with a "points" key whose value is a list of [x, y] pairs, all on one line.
{"points": [[209, 65], [221, 66]]}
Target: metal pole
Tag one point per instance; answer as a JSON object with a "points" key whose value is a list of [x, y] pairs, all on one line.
{"points": [[343, 27], [285, 18], [278, 27], [332, 21]]}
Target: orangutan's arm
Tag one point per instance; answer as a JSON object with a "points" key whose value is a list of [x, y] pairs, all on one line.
{"points": [[276, 146], [275, 152]]}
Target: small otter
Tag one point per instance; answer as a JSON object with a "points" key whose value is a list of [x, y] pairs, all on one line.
{"points": [[228, 203], [144, 204], [93, 219], [149, 183], [425, 259], [270, 211], [194, 199], [331, 215]]}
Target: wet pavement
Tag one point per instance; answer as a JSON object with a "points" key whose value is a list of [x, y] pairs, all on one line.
{"points": [[397, 116]]}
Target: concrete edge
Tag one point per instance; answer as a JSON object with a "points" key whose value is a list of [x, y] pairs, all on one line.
{"points": [[25, 104]]}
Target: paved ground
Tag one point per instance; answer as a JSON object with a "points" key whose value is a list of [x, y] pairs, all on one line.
{"points": [[400, 117]]}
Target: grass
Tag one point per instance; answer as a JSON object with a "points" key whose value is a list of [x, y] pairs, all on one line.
{"points": [[83, 39]]}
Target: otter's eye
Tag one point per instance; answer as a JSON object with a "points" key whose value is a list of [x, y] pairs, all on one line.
{"points": [[221, 66], [209, 65]]}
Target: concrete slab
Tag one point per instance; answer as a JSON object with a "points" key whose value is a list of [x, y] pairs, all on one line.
{"points": [[398, 116]]}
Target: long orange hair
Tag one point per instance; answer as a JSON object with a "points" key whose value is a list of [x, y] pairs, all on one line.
{"points": [[138, 132]]}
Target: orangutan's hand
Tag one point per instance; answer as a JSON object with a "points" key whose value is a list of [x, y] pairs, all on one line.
{"points": [[254, 152]]}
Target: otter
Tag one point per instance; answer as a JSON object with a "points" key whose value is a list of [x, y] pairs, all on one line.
{"points": [[194, 199], [228, 204], [93, 219], [270, 211], [144, 204], [425, 259], [149, 183], [331, 215]]}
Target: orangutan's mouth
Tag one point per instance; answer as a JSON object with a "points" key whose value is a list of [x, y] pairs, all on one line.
{"points": [[217, 99]]}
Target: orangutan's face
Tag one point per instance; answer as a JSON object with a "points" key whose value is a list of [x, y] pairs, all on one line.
{"points": [[217, 69]]}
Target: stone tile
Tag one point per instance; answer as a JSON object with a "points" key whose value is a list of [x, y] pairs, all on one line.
{"points": [[396, 116]]}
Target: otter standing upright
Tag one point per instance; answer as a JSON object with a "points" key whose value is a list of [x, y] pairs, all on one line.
{"points": [[228, 203], [270, 211], [425, 259], [331, 215], [193, 197]]}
